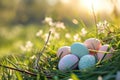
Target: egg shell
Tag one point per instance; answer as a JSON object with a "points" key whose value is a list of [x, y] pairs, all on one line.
{"points": [[104, 48], [65, 50], [68, 62], [79, 49], [93, 44], [86, 62]]}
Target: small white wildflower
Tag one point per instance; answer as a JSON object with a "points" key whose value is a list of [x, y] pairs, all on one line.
{"points": [[52, 30], [51, 23], [75, 21], [100, 78], [39, 33], [28, 46], [60, 25], [83, 31], [102, 26], [99, 24], [67, 35], [48, 19], [56, 35], [76, 37]]}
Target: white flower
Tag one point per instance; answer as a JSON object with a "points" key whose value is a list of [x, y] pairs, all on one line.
{"points": [[76, 37], [39, 33], [102, 26], [52, 30], [51, 23], [48, 19], [67, 35], [60, 25], [83, 31], [56, 35], [28, 46]]}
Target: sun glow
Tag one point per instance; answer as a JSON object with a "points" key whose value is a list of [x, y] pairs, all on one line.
{"points": [[98, 5], [65, 1]]}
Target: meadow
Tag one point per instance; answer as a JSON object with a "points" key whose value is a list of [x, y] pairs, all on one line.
{"points": [[28, 50], [21, 46]]}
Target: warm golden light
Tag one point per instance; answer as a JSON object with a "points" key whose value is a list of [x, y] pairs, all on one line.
{"points": [[98, 5], [65, 1]]}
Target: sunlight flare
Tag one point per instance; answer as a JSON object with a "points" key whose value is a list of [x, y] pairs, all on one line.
{"points": [[98, 5]]}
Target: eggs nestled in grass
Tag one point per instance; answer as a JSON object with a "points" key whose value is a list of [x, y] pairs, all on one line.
{"points": [[82, 55]]}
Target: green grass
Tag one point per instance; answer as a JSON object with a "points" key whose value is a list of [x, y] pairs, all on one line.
{"points": [[13, 56]]}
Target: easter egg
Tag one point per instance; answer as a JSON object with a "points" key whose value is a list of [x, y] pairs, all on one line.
{"points": [[63, 51], [93, 44], [103, 48], [79, 49], [86, 61], [68, 62]]}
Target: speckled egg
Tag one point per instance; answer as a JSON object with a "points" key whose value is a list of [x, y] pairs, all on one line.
{"points": [[68, 62], [79, 49], [93, 44], [65, 50], [100, 54], [86, 62]]}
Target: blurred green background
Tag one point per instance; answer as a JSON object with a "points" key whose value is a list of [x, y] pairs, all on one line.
{"points": [[34, 11], [20, 20]]}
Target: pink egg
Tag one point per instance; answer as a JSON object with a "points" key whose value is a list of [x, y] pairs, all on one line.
{"points": [[65, 50], [68, 62], [93, 44], [100, 54]]}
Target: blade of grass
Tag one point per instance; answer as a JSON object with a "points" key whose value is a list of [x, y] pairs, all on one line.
{"points": [[39, 54]]}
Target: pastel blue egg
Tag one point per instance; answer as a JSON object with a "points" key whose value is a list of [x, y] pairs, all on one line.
{"points": [[86, 62], [79, 49]]}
